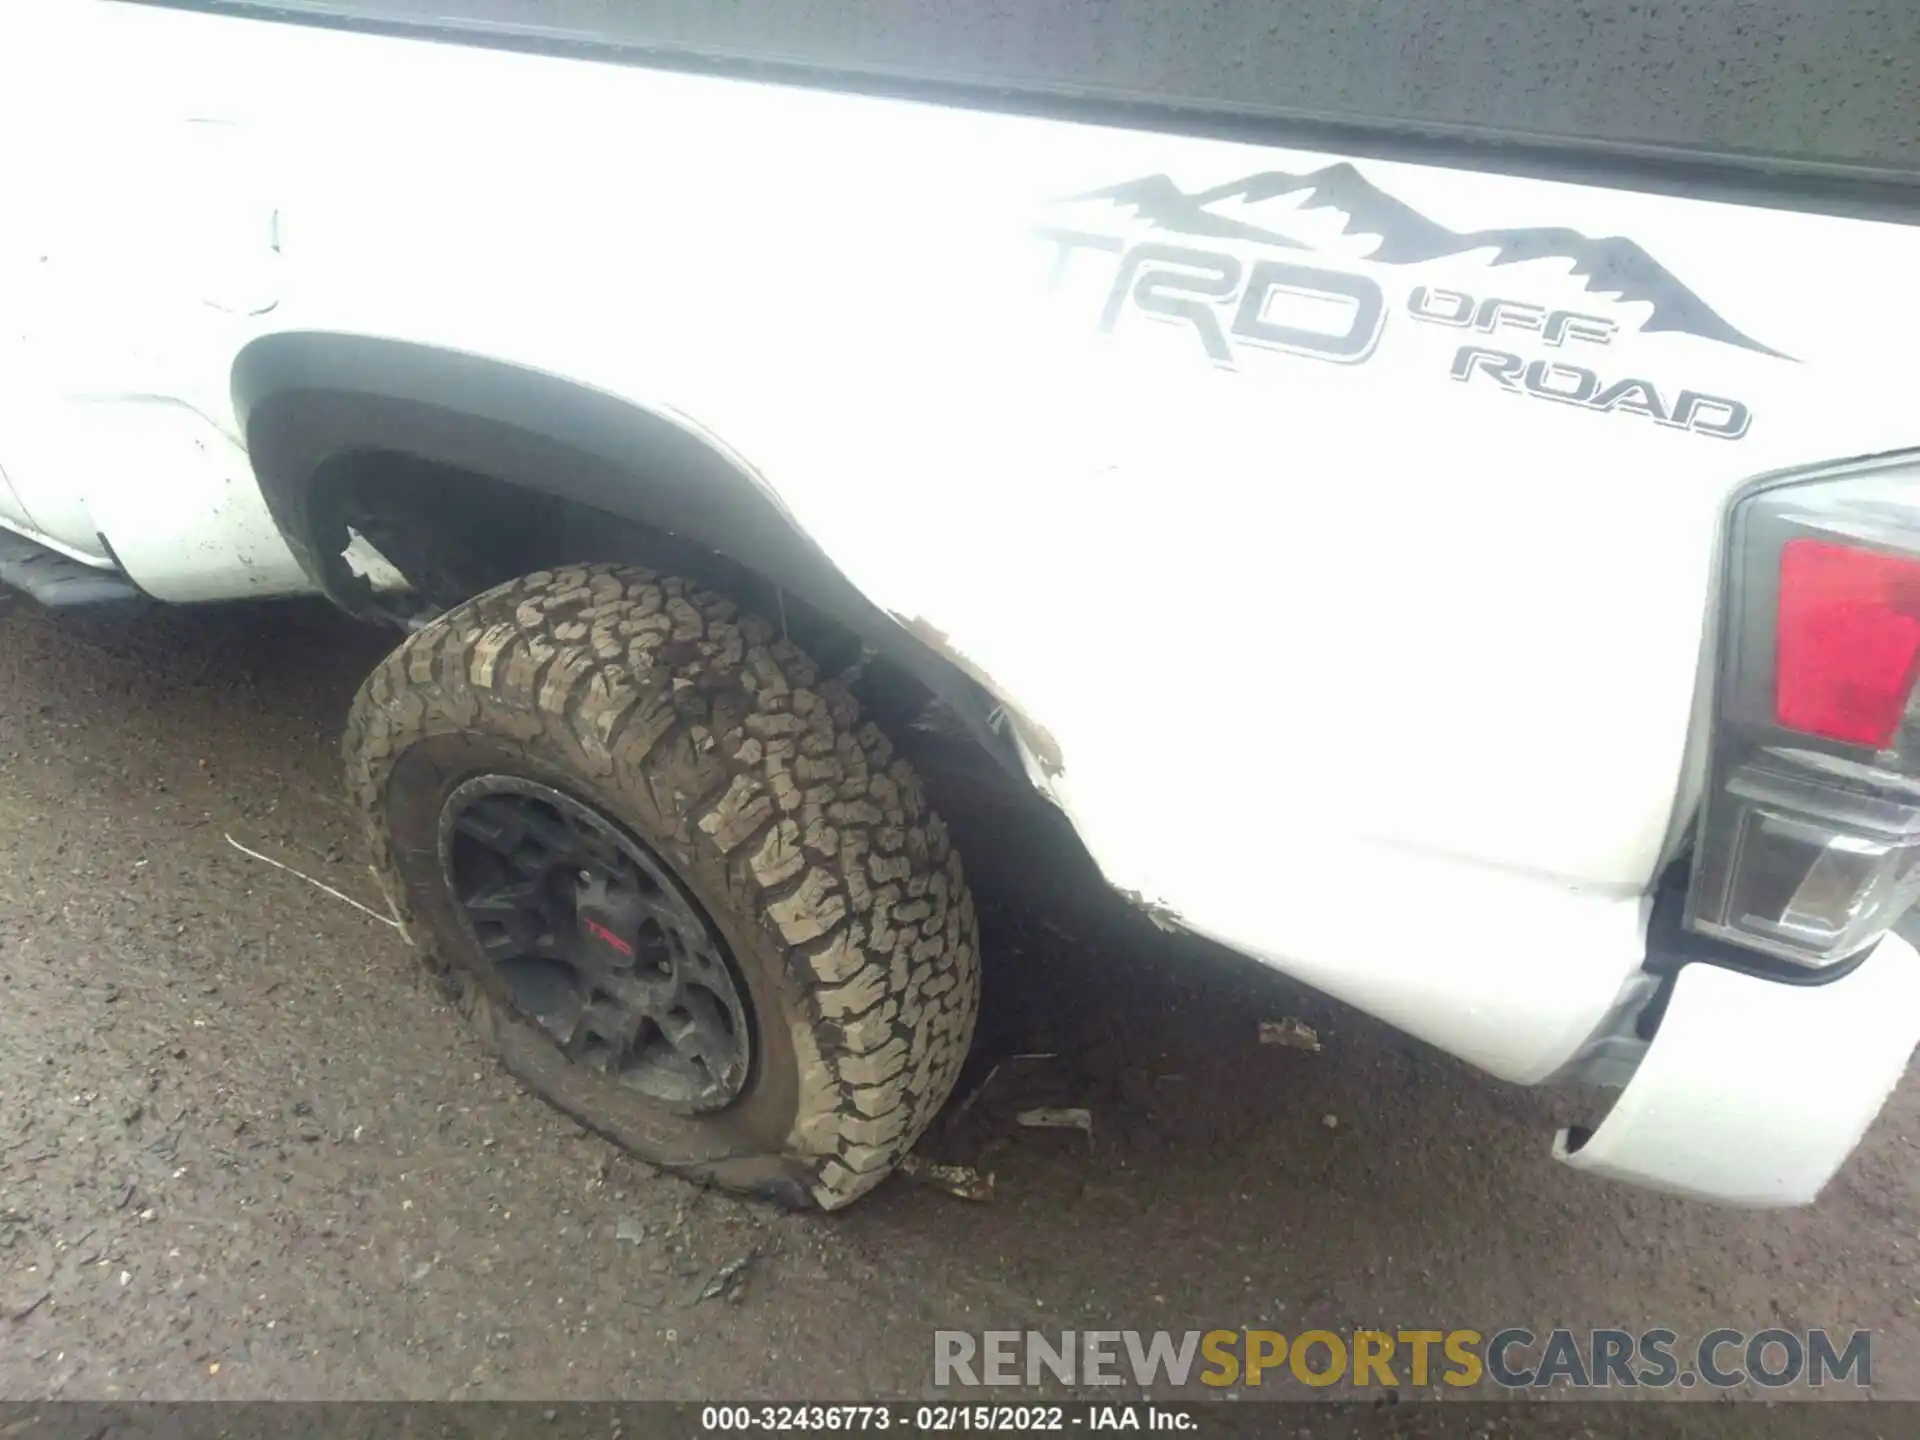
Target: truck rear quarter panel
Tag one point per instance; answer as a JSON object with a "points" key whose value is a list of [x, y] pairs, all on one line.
{"points": [[1350, 525]]}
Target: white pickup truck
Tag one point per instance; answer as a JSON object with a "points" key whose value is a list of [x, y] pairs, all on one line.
{"points": [[1487, 594]]}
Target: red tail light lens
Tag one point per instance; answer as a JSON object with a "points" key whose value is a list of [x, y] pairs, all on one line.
{"points": [[1849, 641], [1808, 843]]}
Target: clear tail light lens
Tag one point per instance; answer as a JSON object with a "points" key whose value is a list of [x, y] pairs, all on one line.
{"points": [[1809, 839]]}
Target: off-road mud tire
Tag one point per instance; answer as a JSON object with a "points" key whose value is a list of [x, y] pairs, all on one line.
{"points": [[714, 742]]}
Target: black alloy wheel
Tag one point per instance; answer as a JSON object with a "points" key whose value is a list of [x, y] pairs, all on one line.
{"points": [[596, 941]]}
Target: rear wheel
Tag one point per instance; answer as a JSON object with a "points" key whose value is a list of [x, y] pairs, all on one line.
{"points": [[671, 879]]}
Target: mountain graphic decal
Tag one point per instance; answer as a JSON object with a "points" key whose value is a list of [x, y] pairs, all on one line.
{"points": [[1610, 265]]}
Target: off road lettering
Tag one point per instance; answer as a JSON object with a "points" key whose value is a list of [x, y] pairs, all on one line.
{"points": [[1432, 305], [1566, 384]]}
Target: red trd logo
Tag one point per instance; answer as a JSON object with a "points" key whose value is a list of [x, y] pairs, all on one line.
{"points": [[601, 932]]}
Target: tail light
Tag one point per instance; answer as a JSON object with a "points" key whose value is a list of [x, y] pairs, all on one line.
{"points": [[1809, 840]]}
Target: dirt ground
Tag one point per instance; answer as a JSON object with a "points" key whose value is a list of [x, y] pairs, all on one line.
{"points": [[245, 1151]]}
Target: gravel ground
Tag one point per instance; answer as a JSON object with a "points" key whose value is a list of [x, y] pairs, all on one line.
{"points": [[245, 1151]]}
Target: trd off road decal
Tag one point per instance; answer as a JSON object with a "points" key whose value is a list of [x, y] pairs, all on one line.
{"points": [[1181, 271]]}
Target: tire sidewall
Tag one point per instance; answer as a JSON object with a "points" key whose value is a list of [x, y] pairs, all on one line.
{"points": [[709, 736]]}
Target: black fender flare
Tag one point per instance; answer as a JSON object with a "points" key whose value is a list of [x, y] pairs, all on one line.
{"points": [[305, 398]]}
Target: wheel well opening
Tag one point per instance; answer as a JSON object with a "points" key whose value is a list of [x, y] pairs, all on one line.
{"points": [[405, 539], [444, 534]]}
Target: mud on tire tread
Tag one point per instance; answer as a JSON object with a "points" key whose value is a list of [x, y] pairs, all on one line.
{"points": [[642, 685]]}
